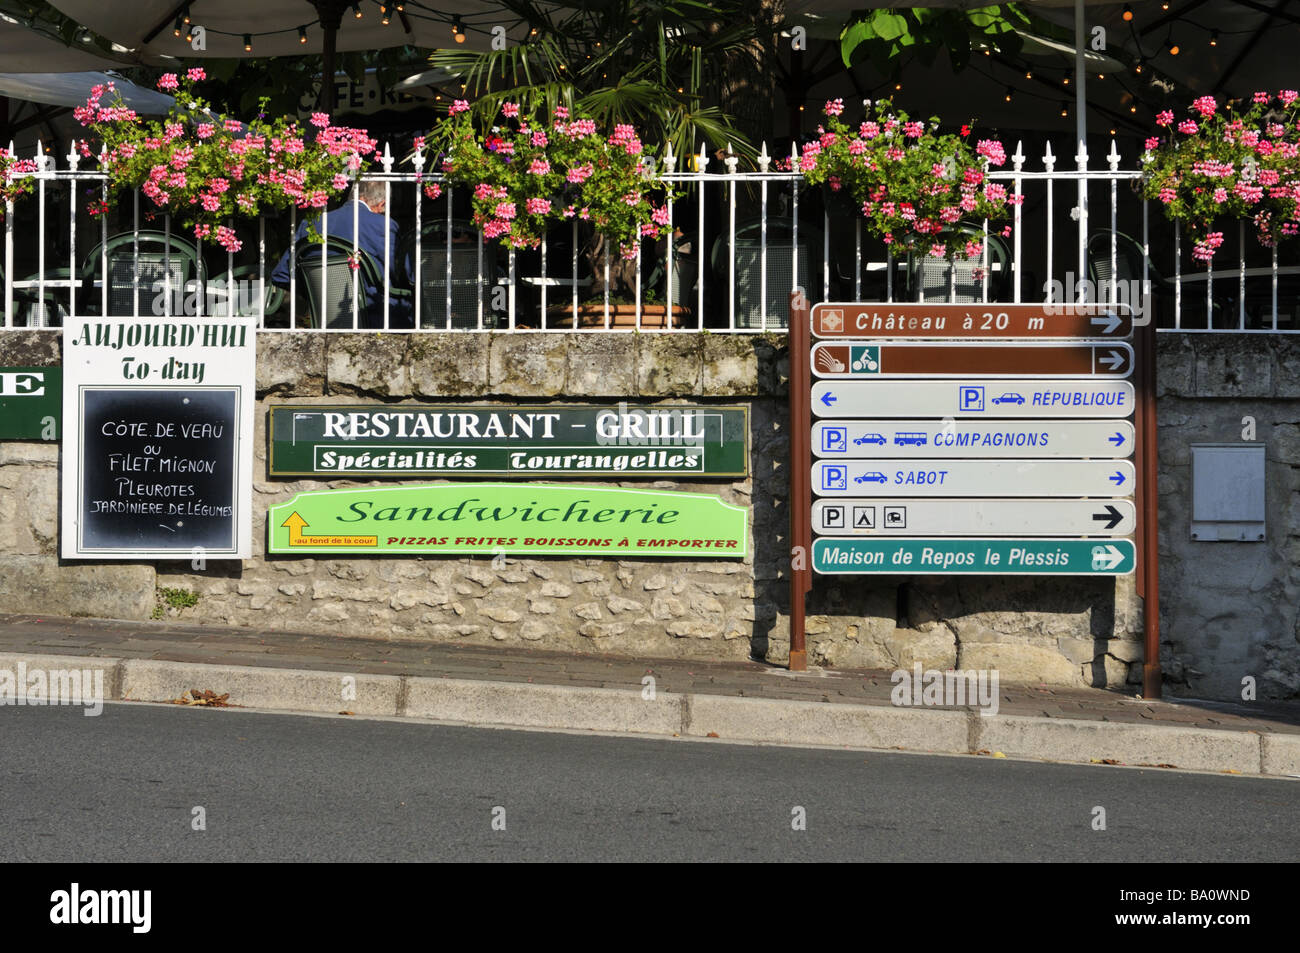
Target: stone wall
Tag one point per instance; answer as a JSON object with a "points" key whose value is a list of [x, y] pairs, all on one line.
{"points": [[1070, 630], [1228, 610]]}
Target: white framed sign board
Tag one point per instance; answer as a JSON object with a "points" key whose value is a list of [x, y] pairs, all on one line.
{"points": [[158, 438]]}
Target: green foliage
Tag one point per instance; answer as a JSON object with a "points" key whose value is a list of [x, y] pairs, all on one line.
{"points": [[169, 598], [884, 35], [205, 169], [526, 174], [1229, 163], [639, 62], [15, 178], [913, 185]]}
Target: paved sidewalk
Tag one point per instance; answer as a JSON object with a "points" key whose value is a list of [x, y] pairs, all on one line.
{"points": [[1032, 721]]}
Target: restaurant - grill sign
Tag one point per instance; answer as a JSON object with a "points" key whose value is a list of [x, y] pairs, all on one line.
{"points": [[515, 441]]}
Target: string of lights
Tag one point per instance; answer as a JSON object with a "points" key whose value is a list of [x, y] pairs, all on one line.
{"points": [[459, 24]]}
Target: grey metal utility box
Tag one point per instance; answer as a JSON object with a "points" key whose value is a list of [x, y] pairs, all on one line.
{"points": [[1228, 492]]}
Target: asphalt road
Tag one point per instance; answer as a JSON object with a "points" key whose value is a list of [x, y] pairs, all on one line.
{"points": [[124, 785]]}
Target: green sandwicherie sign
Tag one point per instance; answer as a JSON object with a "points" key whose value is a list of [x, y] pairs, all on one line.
{"points": [[525, 519], [511, 441]]}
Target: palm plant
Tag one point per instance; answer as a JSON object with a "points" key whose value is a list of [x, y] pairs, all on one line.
{"points": [[663, 66], [667, 67]]}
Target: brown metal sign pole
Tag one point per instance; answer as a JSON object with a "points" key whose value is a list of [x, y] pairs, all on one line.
{"points": [[800, 475], [1149, 512]]}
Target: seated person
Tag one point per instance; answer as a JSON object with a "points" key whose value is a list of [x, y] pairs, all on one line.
{"points": [[370, 240]]}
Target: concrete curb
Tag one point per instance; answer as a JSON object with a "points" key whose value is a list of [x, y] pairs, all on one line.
{"points": [[761, 720]]}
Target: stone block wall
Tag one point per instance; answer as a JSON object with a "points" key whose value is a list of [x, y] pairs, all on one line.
{"points": [[1069, 630], [1228, 610]]}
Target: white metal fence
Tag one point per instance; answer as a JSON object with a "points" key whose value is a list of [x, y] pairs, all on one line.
{"points": [[739, 243]]}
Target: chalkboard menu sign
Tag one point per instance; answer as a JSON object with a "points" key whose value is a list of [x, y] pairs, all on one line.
{"points": [[159, 469], [159, 462]]}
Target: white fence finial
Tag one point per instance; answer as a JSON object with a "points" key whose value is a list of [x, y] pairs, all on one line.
{"points": [[387, 158], [1113, 157], [764, 160], [1018, 159], [702, 160], [731, 161], [74, 157], [670, 160], [1049, 160]]}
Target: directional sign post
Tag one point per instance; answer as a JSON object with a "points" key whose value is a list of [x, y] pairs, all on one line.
{"points": [[833, 439], [941, 556], [939, 321], [973, 477], [911, 516], [973, 397], [972, 439], [910, 359]]}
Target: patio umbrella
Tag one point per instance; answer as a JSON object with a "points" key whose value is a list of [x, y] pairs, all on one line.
{"points": [[25, 50], [241, 28], [72, 89]]}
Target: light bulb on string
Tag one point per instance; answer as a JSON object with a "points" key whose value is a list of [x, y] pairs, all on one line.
{"points": [[1008, 94], [457, 29], [302, 34], [1065, 109], [1214, 38], [185, 15], [383, 15], [1128, 13], [356, 10], [248, 43], [177, 30]]}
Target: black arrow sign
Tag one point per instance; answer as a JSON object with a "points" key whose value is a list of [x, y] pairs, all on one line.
{"points": [[1111, 514]]}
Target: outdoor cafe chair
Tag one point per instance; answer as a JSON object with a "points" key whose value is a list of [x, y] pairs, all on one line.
{"points": [[781, 279], [31, 310], [331, 307], [159, 255], [960, 281], [433, 278]]}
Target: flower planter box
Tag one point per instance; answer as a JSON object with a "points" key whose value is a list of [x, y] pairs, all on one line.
{"points": [[620, 316]]}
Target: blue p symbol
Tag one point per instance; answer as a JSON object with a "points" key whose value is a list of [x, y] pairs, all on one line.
{"points": [[972, 398]]}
